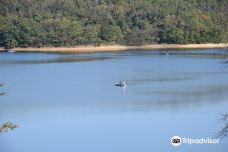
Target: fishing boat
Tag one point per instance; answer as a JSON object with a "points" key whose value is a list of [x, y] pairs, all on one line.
{"points": [[121, 84], [11, 51], [2, 93]]}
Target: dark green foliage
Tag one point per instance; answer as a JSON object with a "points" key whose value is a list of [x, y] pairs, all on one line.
{"points": [[139, 37], [39, 23], [110, 33], [91, 34]]}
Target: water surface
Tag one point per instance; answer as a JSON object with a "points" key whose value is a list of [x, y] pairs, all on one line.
{"points": [[68, 102]]}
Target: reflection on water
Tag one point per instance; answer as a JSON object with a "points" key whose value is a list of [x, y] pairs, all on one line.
{"points": [[75, 106], [56, 60], [158, 78]]}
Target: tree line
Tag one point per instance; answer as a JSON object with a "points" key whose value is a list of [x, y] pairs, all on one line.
{"points": [[39, 23]]}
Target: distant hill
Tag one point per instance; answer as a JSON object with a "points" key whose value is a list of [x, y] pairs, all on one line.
{"points": [[39, 23]]}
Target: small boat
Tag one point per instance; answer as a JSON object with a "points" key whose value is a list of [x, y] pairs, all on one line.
{"points": [[2, 93], [11, 51], [121, 84]]}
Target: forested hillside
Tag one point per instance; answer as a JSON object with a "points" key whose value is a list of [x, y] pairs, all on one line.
{"points": [[39, 23]]}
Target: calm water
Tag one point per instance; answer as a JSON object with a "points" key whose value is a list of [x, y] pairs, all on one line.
{"points": [[68, 102]]}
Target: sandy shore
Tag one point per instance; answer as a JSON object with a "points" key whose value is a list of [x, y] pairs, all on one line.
{"points": [[104, 48]]}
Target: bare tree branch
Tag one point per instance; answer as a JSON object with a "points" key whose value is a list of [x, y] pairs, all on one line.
{"points": [[7, 126], [224, 131]]}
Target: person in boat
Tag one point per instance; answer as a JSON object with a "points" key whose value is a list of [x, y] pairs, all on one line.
{"points": [[122, 83]]}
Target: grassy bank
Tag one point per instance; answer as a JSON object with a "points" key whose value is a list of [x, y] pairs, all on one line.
{"points": [[104, 48]]}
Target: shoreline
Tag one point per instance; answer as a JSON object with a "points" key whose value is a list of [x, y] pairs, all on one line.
{"points": [[114, 48]]}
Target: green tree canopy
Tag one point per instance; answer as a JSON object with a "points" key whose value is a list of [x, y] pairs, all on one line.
{"points": [[38, 23]]}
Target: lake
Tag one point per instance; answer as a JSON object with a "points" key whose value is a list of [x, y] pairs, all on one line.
{"points": [[69, 102]]}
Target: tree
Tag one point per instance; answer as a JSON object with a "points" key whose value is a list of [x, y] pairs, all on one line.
{"points": [[111, 33], [39, 23], [91, 34], [140, 37]]}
